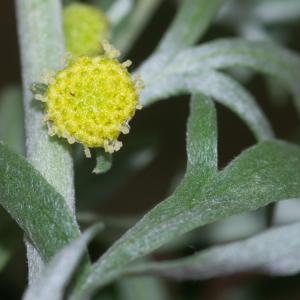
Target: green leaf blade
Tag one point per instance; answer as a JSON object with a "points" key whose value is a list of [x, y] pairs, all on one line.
{"points": [[202, 135], [264, 57], [57, 273], [190, 23], [276, 11], [213, 84], [34, 204], [119, 10], [145, 287], [263, 174], [275, 251]]}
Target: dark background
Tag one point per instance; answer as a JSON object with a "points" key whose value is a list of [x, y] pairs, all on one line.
{"points": [[165, 123]]}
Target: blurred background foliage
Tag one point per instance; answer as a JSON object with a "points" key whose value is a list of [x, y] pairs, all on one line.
{"points": [[153, 158]]}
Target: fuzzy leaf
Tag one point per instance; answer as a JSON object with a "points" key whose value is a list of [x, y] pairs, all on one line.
{"points": [[264, 57], [276, 11], [260, 12], [35, 205], [57, 273], [262, 174], [190, 23], [146, 288], [119, 10], [214, 84], [202, 136], [275, 251]]}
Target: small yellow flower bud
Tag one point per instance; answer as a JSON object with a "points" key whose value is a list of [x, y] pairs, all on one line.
{"points": [[91, 101], [85, 27]]}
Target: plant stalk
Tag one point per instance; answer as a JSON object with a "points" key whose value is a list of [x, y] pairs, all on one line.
{"points": [[42, 49]]}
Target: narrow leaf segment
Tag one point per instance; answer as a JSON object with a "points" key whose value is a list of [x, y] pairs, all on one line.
{"points": [[34, 204]]}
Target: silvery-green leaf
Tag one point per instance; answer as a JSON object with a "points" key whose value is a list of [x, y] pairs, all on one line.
{"points": [[202, 117], [233, 228], [264, 57], [275, 251], [35, 205], [57, 273], [262, 174], [220, 87], [142, 287], [201, 137], [287, 211], [190, 23], [119, 10], [275, 11]]}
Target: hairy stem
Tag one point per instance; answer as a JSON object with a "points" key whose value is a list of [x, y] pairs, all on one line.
{"points": [[42, 48]]}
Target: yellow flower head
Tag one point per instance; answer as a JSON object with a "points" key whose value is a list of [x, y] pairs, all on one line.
{"points": [[85, 27], [92, 100]]}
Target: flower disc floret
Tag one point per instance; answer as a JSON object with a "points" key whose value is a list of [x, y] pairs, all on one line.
{"points": [[91, 101]]}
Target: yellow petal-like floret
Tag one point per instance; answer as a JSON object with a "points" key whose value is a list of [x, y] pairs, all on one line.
{"points": [[91, 101], [84, 27]]}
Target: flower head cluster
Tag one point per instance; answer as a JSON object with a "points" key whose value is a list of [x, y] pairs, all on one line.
{"points": [[92, 100]]}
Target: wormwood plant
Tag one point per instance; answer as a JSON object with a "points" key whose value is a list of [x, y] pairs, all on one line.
{"points": [[89, 97]]}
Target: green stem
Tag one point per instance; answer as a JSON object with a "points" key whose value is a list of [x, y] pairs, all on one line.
{"points": [[42, 48]]}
